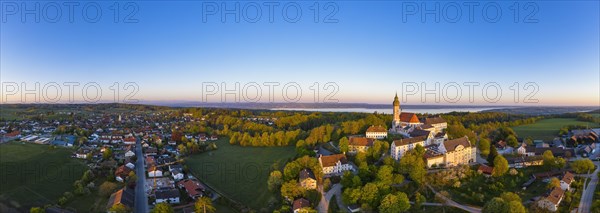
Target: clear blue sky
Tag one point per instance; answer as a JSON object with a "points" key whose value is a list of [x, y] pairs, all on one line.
{"points": [[368, 53]]}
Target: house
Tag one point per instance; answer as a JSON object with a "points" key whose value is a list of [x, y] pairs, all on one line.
{"points": [[557, 151], [334, 164], [565, 182], [299, 204], [307, 179], [122, 173], [586, 135], [82, 153], [193, 188], [438, 124], [587, 150], [169, 195], [524, 161], [552, 201], [354, 208], [359, 144], [129, 153], [485, 170], [376, 132], [154, 172], [522, 150], [177, 175], [399, 147], [454, 152], [403, 122], [214, 137], [125, 196], [129, 141], [130, 165]]}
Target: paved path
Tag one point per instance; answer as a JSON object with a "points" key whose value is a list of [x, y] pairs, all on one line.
{"points": [[588, 193], [450, 202], [336, 189], [141, 200]]}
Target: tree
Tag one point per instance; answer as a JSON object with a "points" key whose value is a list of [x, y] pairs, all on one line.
{"points": [[484, 146], [492, 155], [162, 208], [107, 154], [554, 182], [500, 166], [510, 196], [419, 200], [107, 188], [119, 208], [36, 210], [275, 180], [370, 194], [582, 166], [413, 164], [344, 145], [511, 140], [516, 207], [495, 205], [548, 159], [291, 189], [326, 185], [204, 204], [394, 203]]}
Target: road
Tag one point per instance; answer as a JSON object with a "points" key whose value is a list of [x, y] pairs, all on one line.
{"points": [[141, 200], [336, 189], [588, 193]]}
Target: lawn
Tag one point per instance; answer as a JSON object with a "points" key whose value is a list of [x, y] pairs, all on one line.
{"points": [[240, 172], [34, 175], [547, 129]]}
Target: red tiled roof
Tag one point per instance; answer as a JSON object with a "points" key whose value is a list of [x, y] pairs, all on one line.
{"points": [[360, 141], [193, 188], [409, 117], [331, 160], [376, 129]]}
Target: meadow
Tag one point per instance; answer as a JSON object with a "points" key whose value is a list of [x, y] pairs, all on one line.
{"points": [[547, 129], [240, 172], [35, 175]]}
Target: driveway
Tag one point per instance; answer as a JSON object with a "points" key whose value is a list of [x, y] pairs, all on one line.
{"points": [[336, 189]]}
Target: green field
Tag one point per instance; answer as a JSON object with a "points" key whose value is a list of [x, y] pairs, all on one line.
{"points": [[240, 172], [34, 175], [547, 129]]}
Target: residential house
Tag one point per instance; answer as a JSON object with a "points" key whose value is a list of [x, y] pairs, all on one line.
{"points": [[169, 195], [438, 124], [129, 141], [359, 144], [485, 170], [299, 204], [376, 132], [125, 196], [524, 161], [565, 182], [552, 201], [455, 152], [334, 164], [399, 147], [557, 151], [307, 179], [193, 188], [122, 173], [154, 172], [129, 152]]}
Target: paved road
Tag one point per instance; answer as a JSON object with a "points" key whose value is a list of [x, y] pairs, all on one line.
{"points": [[588, 192], [450, 202], [141, 200], [336, 189]]}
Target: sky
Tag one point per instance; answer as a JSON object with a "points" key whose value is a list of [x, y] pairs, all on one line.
{"points": [[303, 51]]}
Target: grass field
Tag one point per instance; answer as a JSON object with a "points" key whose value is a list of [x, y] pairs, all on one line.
{"points": [[34, 175], [547, 129], [240, 172]]}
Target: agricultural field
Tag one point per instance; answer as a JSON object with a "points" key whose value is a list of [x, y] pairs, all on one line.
{"points": [[547, 129], [34, 175], [240, 172]]}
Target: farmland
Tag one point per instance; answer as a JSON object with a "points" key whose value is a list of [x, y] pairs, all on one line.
{"points": [[547, 129], [239, 172], [34, 175]]}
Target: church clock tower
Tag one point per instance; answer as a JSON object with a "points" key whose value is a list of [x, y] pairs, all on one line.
{"points": [[397, 111]]}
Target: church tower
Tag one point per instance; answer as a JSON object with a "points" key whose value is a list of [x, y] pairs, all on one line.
{"points": [[397, 111]]}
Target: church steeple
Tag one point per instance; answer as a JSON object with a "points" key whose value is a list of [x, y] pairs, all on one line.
{"points": [[396, 101], [396, 111]]}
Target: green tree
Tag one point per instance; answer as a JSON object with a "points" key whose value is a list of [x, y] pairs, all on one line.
{"points": [[344, 145], [203, 205], [492, 155], [36, 210], [582, 166], [291, 189], [119, 208], [516, 207], [495, 205], [510, 196], [500, 166], [511, 140], [107, 154], [107, 188], [419, 200], [326, 184], [394, 203], [554, 182], [163, 207], [484, 146], [370, 194], [548, 159], [413, 164], [275, 180]]}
